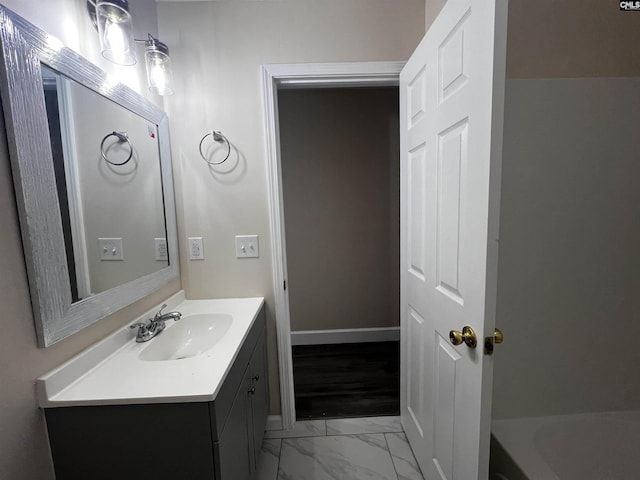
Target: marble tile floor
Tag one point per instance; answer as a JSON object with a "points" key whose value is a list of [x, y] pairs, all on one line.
{"points": [[371, 448]]}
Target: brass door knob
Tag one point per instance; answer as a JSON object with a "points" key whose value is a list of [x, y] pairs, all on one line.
{"points": [[467, 335]]}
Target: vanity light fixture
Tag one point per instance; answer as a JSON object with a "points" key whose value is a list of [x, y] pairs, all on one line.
{"points": [[115, 31], [158, 62], [113, 22]]}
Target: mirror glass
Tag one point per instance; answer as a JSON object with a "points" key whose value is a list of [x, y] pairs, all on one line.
{"points": [[108, 178]]}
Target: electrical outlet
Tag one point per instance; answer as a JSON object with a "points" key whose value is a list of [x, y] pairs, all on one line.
{"points": [[161, 249], [111, 249], [247, 246], [196, 248]]}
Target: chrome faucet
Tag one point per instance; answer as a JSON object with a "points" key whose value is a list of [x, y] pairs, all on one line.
{"points": [[163, 317], [146, 331]]}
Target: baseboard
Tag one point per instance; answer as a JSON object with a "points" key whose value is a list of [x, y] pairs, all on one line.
{"points": [[274, 422], [347, 335]]}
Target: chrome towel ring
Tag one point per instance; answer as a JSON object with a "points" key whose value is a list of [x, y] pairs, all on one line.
{"points": [[122, 138], [217, 137]]}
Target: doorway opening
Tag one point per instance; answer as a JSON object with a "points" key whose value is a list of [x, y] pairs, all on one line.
{"points": [[340, 165], [277, 79]]}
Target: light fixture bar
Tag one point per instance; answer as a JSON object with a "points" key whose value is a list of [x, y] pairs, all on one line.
{"points": [[113, 22]]}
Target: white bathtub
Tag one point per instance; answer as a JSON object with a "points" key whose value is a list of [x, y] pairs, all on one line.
{"points": [[595, 446]]}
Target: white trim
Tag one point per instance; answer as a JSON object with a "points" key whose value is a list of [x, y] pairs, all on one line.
{"points": [[74, 193], [345, 335], [355, 74], [274, 422]]}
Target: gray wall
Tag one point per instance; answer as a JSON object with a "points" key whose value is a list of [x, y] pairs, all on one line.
{"points": [[569, 248], [340, 175], [566, 38], [217, 49], [24, 452], [571, 38], [431, 10]]}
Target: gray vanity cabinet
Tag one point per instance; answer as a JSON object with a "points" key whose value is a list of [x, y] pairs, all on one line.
{"points": [[236, 452], [218, 440]]}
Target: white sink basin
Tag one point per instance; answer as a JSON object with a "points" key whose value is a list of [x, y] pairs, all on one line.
{"points": [[190, 337]]}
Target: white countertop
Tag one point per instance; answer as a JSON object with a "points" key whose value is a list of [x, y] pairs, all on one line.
{"points": [[110, 372]]}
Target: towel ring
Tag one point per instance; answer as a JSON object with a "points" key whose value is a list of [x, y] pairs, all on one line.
{"points": [[122, 138], [217, 137]]}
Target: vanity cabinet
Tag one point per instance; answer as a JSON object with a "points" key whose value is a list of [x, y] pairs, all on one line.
{"points": [[236, 452], [216, 440]]}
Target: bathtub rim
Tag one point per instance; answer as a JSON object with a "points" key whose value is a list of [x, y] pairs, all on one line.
{"points": [[516, 436]]}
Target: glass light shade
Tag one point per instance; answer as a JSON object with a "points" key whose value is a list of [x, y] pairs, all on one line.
{"points": [[158, 62], [115, 31]]}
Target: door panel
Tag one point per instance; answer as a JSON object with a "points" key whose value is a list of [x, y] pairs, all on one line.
{"points": [[445, 395], [416, 211], [451, 98], [452, 150], [416, 370], [453, 60]]}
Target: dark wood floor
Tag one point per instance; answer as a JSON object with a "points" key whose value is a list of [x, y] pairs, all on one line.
{"points": [[347, 380]]}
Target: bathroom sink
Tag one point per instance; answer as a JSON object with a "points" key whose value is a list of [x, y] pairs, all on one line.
{"points": [[190, 337]]}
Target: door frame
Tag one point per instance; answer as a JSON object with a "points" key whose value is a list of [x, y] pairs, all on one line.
{"points": [[301, 75]]}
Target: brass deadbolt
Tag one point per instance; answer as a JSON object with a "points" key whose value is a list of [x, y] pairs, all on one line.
{"points": [[497, 336], [467, 336], [490, 341]]}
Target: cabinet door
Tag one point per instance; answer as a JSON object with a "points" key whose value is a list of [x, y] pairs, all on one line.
{"points": [[260, 396], [234, 455], [128, 442]]}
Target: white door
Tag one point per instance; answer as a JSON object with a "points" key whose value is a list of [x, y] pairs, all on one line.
{"points": [[451, 107]]}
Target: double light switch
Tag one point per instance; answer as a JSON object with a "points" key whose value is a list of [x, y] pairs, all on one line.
{"points": [[247, 246], [110, 249]]}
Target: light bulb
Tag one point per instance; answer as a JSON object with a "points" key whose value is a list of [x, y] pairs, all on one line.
{"points": [[158, 64], [115, 31], [158, 77], [116, 40]]}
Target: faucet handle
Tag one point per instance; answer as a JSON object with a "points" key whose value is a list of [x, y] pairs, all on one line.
{"points": [[139, 324], [159, 314]]}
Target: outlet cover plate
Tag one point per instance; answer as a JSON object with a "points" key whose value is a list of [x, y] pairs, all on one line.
{"points": [[196, 248], [247, 246], [161, 249]]}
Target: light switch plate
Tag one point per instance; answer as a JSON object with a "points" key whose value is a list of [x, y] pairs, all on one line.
{"points": [[111, 249], [161, 249], [247, 246], [196, 248]]}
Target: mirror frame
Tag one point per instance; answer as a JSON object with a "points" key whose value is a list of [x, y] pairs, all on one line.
{"points": [[23, 48]]}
